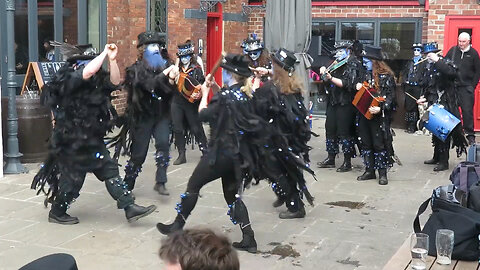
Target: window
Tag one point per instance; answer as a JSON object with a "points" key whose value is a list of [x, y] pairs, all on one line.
{"points": [[395, 36], [93, 23], [158, 16]]}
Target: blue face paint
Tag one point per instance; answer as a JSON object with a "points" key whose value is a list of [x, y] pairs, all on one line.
{"points": [[341, 54], [227, 77], [153, 57], [82, 62], [185, 59], [367, 63], [254, 55]]}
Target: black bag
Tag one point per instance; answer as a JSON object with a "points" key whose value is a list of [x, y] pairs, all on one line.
{"points": [[448, 213], [465, 176]]}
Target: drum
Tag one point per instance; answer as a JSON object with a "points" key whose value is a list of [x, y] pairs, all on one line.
{"points": [[440, 121]]}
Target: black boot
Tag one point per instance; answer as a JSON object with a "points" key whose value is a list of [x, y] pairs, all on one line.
{"points": [[161, 189], [64, 218], [181, 158], [367, 175], [59, 208], [162, 160], [347, 164], [177, 225], [131, 173], [278, 202], [296, 208], [299, 213], [133, 212], [442, 161], [434, 159], [248, 242], [184, 208], [329, 162], [382, 177]]}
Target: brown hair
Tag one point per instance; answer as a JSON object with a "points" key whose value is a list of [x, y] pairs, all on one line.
{"points": [[288, 84], [199, 249], [380, 67]]}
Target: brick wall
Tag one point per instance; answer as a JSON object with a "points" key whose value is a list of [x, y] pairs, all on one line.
{"points": [[234, 32], [440, 8]]}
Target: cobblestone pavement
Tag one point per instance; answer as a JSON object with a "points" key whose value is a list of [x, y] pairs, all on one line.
{"points": [[353, 225]]}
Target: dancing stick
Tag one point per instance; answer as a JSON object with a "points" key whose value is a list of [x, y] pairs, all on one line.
{"points": [[424, 59], [414, 98]]}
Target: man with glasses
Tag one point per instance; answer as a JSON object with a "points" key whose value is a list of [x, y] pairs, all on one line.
{"points": [[468, 62]]}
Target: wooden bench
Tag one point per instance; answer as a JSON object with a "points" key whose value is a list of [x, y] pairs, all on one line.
{"points": [[402, 258]]}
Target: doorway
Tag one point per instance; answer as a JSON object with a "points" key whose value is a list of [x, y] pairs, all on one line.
{"points": [[215, 40], [454, 25]]}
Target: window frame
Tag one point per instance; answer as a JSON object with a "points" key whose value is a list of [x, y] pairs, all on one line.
{"points": [[149, 19]]}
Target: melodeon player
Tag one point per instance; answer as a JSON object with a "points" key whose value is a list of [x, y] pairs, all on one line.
{"points": [[375, 134], [185, 102], [339, 83]]}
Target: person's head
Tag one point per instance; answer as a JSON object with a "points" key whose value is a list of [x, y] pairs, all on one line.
{"points": [[417, 49], [369, 54], [85, 54], [235, 70], [46, 45], [151, 49], [463, 40], [253, 47], [343, 49], [186, 53], [284, 71], [193, 249]]}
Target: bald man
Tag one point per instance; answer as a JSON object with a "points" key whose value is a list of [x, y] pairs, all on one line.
{"points": [[468, 62]]}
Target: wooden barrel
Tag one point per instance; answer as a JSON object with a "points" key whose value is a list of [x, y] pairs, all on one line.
{"points": [[34, 128]]}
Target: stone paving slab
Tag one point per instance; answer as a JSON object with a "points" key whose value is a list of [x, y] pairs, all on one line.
{"points": [[330, 237]]}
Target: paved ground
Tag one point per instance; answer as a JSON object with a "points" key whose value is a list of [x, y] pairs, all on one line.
{"points": [[330, 237]]}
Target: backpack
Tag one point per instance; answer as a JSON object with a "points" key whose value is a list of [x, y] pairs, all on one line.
{"points": [[465, 176]]}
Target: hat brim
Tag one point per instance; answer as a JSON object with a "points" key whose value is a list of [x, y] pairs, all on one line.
{"points": [[280, 63], [157, 41], [81, 57], [372, 57], [420, 47], [242, 72]]}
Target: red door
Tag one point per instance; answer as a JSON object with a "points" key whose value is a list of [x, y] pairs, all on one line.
{"points": [[454, 25], [214, 40]]}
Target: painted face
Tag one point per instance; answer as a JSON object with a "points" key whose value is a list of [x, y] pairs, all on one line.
{"points": [[185, 59], [367, 63], [254, 55], [341, 54], [153, 57], [417, 52], [227, 77]]}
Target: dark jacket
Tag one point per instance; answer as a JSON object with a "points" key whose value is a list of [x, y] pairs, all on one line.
{"points": [[468, 64], [350, 74], [196, 73]]}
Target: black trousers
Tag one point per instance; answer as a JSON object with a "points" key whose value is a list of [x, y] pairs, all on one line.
{"points": [[159, 128], [71, 182], [340, 122], [411, 106], [188, 112], [371, 134], [466, 98], [205, 173]]}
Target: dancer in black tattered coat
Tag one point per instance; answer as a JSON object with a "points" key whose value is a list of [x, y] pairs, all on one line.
{"points": [[235, 136], [80, 98], [285, 155], [339, 85], [150, 87], [439, 83], [375, 134]]}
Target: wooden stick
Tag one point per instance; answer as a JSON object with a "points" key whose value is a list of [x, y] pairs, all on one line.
{"points": [[424, 59], [411, 96]]}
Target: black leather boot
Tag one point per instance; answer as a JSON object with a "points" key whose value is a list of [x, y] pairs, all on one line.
{"points": [[133, 212], [300, 213], [434, 159], [367, 175], [131, 173], [278, 202], [329, 162], [64, 219], [382, 177], [182, 158], [167, 229], [347, 164], [184, 208], [161, 189], [248, 242], [442, 161]]}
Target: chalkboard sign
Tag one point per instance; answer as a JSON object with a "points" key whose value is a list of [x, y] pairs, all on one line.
{"points": [[42, 72]]}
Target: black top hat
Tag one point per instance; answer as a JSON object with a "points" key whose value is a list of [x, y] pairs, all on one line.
{"points": [[285, 58], [84, 52], [417, 45], [430, 47], [185, 49], [237, 63], [343, 44], [150, 37], [372, 52], [252, 43]]}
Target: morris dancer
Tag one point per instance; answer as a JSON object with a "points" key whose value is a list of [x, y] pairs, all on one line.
{"points": [[80, 98]]}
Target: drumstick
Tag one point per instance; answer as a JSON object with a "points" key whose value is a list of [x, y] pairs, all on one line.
{"points": [[411, 96]]}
